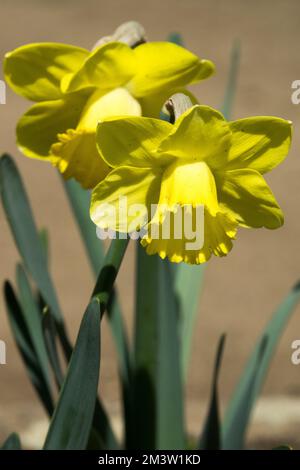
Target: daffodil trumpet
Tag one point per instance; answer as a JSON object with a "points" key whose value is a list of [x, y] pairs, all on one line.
{"points": [[75, 88], [200, 160]]}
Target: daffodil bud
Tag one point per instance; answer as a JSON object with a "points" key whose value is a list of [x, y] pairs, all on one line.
{"points": [[178, 104], [131, 33]]}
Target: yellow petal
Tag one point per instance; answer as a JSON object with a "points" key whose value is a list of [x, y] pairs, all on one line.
{"points": [[75, 155], [189, 183], [219, 230], [139, 186], [247, 197], [201, 133], [104, 105], [260, 143], [164, 65], [131, 141], [35, 71], [185, 189], [38, 128], [110, 66]]}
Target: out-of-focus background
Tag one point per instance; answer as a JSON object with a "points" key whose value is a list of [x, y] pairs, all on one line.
{"points": [[241, 291]]}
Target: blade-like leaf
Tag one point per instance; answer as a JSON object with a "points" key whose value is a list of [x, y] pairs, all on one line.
{"points": [[230, 91], [12, 442], [33, 320], [250, 384], [283, 447], [169, 380], [50, 335], [20, 218], [26, 348], [188, 285], [71, 424], [158, 401], [44, 237], [79, 200], [176, 38], [211, 437], [103, 430]]}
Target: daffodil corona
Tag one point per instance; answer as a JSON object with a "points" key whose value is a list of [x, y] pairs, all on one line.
{"points": [[200, 160], [75, 88]]}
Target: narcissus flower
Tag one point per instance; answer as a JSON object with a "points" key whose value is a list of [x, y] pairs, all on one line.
{"points": [[201, 160], [74, 88]]}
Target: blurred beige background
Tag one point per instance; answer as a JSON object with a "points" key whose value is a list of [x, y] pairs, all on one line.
{"points": [[241, 291]]}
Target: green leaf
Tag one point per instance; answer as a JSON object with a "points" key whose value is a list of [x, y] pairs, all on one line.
{"points": [[20, 218], [50, 335], [169, 381], [230, 90], [188, 286], [12, 442], [176, 38], [23, 340], [79, 200], [103, 430], [101, 436], [157, 399], [71, 424], [283, 447], [211, 437], [33, 320], [251, 381], [44, 237]]}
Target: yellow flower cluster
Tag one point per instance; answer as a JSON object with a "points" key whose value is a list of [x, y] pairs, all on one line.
{"points": [[96, 119]]}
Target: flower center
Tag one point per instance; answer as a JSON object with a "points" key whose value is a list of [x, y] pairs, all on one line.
{"points": [[102, 105], [190, 183]]}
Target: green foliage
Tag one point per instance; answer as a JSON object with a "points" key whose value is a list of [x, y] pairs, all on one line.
{"points": [[12, 442], [72, 420], [153, 370], [211, 437], [252, 379], [157, 374]]}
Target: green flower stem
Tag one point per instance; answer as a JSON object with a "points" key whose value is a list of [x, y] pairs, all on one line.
{"points": [[109, 271]]}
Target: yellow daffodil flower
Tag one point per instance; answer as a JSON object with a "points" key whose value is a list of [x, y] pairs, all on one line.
{"points": [[74, 88], [201, 160]]}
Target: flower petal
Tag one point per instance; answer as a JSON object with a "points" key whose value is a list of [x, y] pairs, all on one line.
{"points": [[260, 143], [246, 196], [201, 133], [35, 71], [102, 105], [76, 156], [109, 66], [188, 224], [138, 185], [219, 230], [38, 128], [131, 140], [164, 65]]}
